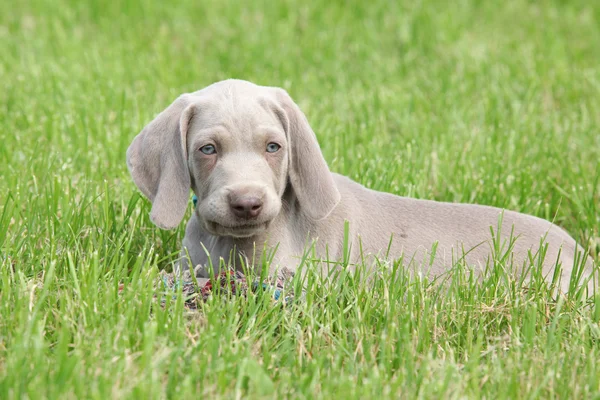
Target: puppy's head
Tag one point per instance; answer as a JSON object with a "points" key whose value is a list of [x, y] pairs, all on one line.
{"points": [[237, 145]]}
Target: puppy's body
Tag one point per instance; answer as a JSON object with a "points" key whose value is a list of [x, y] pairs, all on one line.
{"points": [[252, 159], [382, 222]]}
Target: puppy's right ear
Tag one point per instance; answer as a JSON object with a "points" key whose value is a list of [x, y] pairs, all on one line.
{"points": [[157, 161], [309, 174]]}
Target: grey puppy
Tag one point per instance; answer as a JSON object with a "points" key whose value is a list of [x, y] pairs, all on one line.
{"points": [[252, 159]]}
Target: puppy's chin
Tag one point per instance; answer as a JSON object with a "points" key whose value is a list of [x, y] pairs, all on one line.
{"points": [[239, 231]]}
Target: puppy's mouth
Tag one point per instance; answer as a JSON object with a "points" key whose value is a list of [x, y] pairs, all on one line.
{"points": [[242, 230]]}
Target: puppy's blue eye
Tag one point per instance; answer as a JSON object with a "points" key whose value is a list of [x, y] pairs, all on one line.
{"points": [[208, 149], [273, 147]]}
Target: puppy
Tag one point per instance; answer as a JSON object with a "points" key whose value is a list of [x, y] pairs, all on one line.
{"points": [[254, 163]]}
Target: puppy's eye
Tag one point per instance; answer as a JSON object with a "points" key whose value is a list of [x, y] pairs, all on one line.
{"points": [[208, 149], [272, 147]]}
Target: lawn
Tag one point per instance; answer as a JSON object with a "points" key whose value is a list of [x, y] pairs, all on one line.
{"points": [[470, 101]]}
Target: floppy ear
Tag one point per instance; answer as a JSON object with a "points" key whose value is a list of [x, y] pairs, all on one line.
{"points": [[309, 174], [157, 161]]}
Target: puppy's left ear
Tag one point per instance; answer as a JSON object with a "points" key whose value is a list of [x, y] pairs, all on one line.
{"points": [[309, 174]]}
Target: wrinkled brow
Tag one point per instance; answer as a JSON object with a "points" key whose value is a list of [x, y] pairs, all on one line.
{"points": [[271, 131], [215, 134]]}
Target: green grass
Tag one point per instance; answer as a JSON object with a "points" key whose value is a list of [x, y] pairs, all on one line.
{"points": [[468, 101]]}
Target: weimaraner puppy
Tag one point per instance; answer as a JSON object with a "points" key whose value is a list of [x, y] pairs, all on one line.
{"points": [[254, 163]]}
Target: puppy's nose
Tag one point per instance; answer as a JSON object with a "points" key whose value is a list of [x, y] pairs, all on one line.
{"points": [[246, 206]]}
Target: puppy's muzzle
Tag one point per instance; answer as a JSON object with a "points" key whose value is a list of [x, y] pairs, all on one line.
{"points": [[246, 203], [245, 206]]}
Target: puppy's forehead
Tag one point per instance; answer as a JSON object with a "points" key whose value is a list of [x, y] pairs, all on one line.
{"points": [[234, 87], [241, 108]]}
